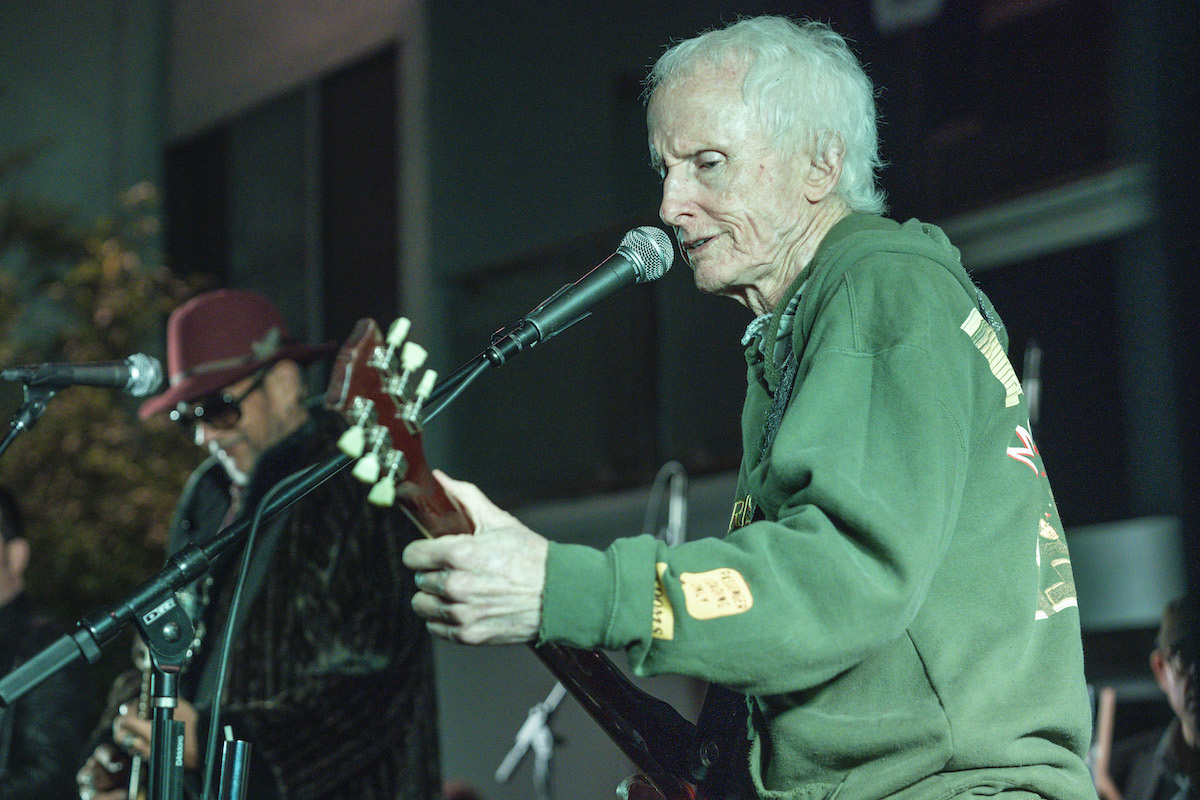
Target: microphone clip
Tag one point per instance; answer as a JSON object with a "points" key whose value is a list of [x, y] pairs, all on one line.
{"points": [[37, 398], [525, 333], [531, 318]]}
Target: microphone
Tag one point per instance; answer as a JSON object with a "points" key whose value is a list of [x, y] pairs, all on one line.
{"points": [[139, 375], [645, 254]]}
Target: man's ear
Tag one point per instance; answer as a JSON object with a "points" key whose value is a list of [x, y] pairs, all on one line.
{"points": [[1159, 666], [826, 167], [18, 555]]}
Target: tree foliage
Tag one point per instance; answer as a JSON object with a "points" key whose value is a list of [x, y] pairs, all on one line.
{"points": [[97, 485]]}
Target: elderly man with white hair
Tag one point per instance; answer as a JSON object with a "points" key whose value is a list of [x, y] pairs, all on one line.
{"points": [[893, 602]]}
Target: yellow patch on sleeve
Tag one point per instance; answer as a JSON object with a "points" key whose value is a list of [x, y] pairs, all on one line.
{"points": [[717, 593], [662, 625]]}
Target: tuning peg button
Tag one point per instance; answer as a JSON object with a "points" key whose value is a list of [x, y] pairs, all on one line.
{"points": [[353, 441], [412, 409], [382, 358], [382, 494], [398, 331], [425, 387], [367, 468], [413, 356]]}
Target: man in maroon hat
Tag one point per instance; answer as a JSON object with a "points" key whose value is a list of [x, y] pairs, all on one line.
{"points": [[330, 675]]}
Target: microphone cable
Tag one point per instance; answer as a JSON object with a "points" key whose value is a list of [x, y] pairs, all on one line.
{"points": [[235, 603]]}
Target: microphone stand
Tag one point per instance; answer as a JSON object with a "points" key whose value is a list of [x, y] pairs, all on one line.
{"points": [[99, 628], [536, 735], [28, 413], [506, 342], [153, 605], [167, 631], [165, 626]]}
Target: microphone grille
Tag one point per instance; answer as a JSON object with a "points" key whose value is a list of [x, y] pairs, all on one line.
{"points": [[652, 249], [145, 374]]}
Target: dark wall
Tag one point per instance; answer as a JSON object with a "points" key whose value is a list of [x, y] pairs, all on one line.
{"points": [[297, 197], [986, 103]]}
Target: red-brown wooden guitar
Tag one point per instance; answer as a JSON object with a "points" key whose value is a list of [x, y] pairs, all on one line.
{"points": [[375, 386]]}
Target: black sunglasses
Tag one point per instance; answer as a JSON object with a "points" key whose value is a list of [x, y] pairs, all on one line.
{"points": [[218, 411]]}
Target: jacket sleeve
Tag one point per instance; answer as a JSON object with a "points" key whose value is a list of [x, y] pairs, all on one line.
{"points": [[49, 727], [859, 493]]}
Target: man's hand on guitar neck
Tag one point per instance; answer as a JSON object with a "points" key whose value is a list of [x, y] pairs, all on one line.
{"points": [[484, 588], [105, 775], [133, 733]]}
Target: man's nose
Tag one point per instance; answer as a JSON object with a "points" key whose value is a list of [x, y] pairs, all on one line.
{"points": [[675, 201]]}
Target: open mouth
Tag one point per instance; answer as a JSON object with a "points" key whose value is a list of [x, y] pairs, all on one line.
{"points": [[694, 246]]}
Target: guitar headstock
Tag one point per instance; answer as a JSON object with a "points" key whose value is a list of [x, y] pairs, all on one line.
{"points": [[378, 386]]}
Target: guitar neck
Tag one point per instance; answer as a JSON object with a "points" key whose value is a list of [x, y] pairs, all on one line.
{"points": [[648, 731], [386, 422]]}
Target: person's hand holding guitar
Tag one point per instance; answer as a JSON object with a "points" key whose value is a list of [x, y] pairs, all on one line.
{"points": [[481, 572], [484, 588]]}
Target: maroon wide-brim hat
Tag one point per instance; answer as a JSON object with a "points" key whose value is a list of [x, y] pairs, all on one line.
{"points": [[217, 338]]}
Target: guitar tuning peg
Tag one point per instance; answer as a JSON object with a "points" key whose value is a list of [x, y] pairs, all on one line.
{"points": [[428, 381], [412, 357], [353, 441], [367, 468], [382, 494], [398, 331], [412, 410], [382, 358]]}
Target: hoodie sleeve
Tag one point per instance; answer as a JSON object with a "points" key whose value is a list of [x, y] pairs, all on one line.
{"points": [[854, 504]]}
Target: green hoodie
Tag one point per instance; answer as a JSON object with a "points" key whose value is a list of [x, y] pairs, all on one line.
{"points": [[895, 595]]}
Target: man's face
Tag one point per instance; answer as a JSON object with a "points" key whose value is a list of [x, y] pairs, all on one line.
{"points": [[263, 423], [736, 205], [1175, 677], [14, 556]]}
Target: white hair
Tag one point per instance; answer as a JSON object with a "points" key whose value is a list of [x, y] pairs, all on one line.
{"points": [[807, 86]]}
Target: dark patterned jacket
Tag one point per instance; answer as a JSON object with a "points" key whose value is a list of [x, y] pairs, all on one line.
{"points": [[331, 674], [42, 733]]}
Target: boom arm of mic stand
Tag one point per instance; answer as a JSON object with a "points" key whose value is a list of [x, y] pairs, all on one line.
{"points": [[447, 390], [30, 411], [505, 344], [99, 628]]}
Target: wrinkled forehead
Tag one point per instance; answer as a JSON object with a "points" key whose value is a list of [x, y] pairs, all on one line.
{"points": [[695, 104], [700, 81]]}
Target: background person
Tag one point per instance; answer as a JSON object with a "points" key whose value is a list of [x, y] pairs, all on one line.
{"points": [[1161, 764], [331, 674], [42, 734]]}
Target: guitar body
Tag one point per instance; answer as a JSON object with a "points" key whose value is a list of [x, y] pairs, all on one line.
{"points": [[365, 389]]}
